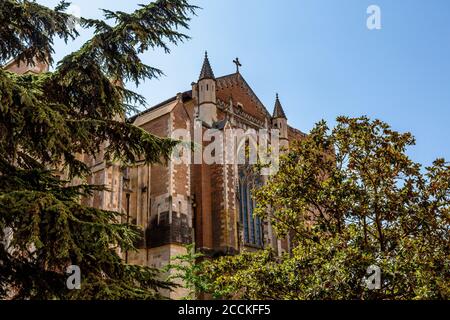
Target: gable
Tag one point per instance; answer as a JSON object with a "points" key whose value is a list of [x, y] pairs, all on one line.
{"points": [[157, 113], [237, 88]]}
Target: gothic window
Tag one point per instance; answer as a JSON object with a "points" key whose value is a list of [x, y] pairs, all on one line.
{"points": [[251, 225], [244, 205], [258, 231]]}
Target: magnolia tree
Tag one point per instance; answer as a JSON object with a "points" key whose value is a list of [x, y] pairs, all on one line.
{"points": [[364, 222], [47, 119]]}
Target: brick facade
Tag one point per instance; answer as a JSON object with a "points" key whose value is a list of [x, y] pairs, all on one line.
{"points": [[180, 203]]}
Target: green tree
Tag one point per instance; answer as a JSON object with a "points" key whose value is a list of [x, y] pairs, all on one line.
{"points": [[187, 270], [47, 119], [348, 198]]}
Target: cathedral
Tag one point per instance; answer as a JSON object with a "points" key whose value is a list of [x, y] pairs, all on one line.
{"points": [[180, 203]]}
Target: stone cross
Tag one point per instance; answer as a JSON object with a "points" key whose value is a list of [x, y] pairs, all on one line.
{"points": [[238, 64]]}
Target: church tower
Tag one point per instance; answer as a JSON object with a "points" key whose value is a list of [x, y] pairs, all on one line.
{"points": [[279, 121], [205, 91]]}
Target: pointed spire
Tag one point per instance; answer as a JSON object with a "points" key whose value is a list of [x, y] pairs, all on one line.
{"points": [[278, 111], [206, 72]]}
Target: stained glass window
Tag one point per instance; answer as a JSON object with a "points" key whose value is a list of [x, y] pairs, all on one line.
{"points": [[245, 212], [252, 226]]}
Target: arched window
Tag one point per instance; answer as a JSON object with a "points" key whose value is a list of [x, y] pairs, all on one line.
{"points": [[251, 225]]}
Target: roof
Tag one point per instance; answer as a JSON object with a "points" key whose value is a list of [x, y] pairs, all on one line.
{"points": [[238, 76], [207, 73], [23, 67], [187, 95], [295, 131]]}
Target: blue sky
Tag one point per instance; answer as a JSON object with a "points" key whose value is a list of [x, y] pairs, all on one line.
{"points": [[320, 57]]}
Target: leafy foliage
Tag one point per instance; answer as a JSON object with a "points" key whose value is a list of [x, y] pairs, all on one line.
{"points": [[187, 269], [348, 198], [47, 119]]}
